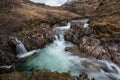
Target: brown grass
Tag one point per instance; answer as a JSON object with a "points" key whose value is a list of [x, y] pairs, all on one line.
{"points": [[18, 13]]}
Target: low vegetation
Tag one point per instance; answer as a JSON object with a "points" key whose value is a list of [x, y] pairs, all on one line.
{"points": [[43, 76]]}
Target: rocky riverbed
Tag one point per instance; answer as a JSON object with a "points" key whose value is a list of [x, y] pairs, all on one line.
{"points": [[102, 38], [88, 45]]}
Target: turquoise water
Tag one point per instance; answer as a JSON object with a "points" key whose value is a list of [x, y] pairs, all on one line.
{"points": [[54, 57]]}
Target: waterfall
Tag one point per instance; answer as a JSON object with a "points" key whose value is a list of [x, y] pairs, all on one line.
{"points": [[6, 66], [62, 28], [85, 22], [20, 48], [22, 51]]}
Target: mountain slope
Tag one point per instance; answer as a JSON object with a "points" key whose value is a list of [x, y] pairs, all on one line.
{"points": [[19, 11]]}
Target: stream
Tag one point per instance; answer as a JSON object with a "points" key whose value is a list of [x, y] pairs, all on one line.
{"points": [[53, 57]]}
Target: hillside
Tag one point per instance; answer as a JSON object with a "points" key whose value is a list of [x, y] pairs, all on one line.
{"points": [[17, 12]]}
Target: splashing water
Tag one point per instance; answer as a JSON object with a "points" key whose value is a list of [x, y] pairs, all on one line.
{"points": [[54, 58], [22, 51], [20, 48]]}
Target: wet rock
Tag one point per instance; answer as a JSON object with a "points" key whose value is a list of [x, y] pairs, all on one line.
{"points": [[6, 69], [91, 46], [6, 59], [67, 48], [113, 50], [12, 42], [38, 40], [77, 31], [63, 24]]}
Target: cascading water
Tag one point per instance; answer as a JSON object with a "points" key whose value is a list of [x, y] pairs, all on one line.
{"points": [[22, 51], [20, 48], [54, 58], [85, 23]]}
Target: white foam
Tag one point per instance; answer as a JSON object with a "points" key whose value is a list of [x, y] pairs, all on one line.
{"points": [[26, 54], [6, 66]]}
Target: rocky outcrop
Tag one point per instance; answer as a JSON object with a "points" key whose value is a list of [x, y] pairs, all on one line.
{"points": [[6, 61], [89, 46], [101, 39], [37, 37], [77, 31]]}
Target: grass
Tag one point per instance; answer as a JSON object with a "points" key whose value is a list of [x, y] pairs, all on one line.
{"points": [[47, 75]]}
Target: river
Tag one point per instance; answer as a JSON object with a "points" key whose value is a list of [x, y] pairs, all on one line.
{"points": [[53, 57]]}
